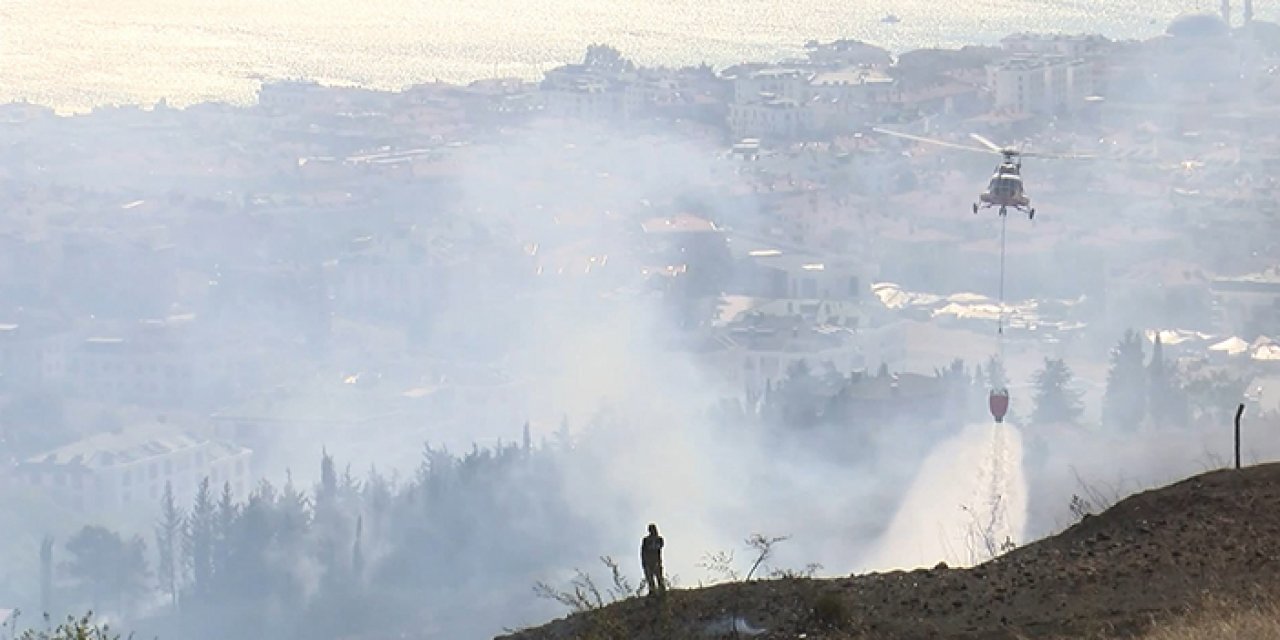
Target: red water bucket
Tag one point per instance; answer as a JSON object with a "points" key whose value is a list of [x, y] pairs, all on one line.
{"points": [[999, 403]]}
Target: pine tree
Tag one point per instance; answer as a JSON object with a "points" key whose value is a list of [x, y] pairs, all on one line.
{"points": [[996, 376], [357, 555], [223, 532], [109, 570], [327, 491], [198, 540], [564, 440], [1056, 401], [797, 397], [376, 495], [293, 518], [1167, 404], [1125, 402], [46, 574], [294, 513], [329, 524], [169, 545]]}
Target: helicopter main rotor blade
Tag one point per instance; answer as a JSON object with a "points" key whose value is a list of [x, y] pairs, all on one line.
{"points": [[987, 143], [1057, 156], [940, 143]]}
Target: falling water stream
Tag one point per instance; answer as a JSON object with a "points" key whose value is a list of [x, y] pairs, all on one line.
{"points": [[968, 500]]}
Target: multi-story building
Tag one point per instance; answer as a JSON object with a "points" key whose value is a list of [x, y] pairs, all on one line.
{"points": [[1040, 84], [1248, 305], [384, 277], [770, 118], [772, 273], [856, 84], [587, 100], [1072, 46], [576, 91], [760, 349], [29, 355], [751, 86], [129, 467]]}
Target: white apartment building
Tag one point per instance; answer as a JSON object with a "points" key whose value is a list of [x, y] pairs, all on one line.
{"points": [[128, 468], [771, 118], [1072, 46], [780, 275], [589, 100], [1040, 84]]}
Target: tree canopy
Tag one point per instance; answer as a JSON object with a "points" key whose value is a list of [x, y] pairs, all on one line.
{"points": [[1055, 400]]}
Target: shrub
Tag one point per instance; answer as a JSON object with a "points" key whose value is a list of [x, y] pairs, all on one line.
{"points": [[830, 610]]}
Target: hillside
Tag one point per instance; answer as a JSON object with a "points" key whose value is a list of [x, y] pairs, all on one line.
{"points": [[1150, 557]]}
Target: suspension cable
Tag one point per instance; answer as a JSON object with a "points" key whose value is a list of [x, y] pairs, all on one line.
{"points": [[1000, 318]]}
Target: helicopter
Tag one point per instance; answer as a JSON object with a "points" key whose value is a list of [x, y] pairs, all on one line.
{"points": [[1005, 189]]}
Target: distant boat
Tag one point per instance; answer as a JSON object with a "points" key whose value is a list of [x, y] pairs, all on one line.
{"points": [[891, 19]]}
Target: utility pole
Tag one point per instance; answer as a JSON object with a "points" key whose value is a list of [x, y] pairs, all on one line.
{"points": [[46, 575], [1248, 12], [1239, 412], [1226, 12]]}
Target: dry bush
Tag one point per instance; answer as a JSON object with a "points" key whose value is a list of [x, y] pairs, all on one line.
{"points": [[1220, 620]]}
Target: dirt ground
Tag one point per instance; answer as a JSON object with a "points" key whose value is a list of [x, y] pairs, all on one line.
{"points": [[1151, 557]]}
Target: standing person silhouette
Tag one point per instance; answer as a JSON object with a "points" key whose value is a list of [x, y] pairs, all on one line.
{"points": [[651, 560]]}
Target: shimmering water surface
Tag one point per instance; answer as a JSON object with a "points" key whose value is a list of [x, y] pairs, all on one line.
{"points": [[74, 54]]}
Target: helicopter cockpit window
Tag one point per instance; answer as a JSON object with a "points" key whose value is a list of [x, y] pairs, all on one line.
{"points": [[1004, 186]]}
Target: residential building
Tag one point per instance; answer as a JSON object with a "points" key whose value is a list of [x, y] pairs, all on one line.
{"points": [[575, 91], [1072, 46], [770, 118], [759, 349], [129, 467], [844, 100], [588, 100], [772, 273], [855, 84], [1248, 305], [29, 355], [1040, 84], [751, 86], [379, 277]]}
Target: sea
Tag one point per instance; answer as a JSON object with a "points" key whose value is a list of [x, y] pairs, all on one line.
{"points": [[74, 55]]}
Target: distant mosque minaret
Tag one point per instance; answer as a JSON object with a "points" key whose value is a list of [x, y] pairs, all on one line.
{"points": [[1248, 11], [1226, 12]]}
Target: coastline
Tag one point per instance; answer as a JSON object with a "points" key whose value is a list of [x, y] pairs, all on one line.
{"points": [[233, 72]]}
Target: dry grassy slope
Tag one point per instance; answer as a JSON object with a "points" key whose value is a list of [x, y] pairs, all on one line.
{"points": [[1151, 557]]}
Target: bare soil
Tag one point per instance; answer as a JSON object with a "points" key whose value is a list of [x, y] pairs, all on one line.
{"points": [[1154, 556]]}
